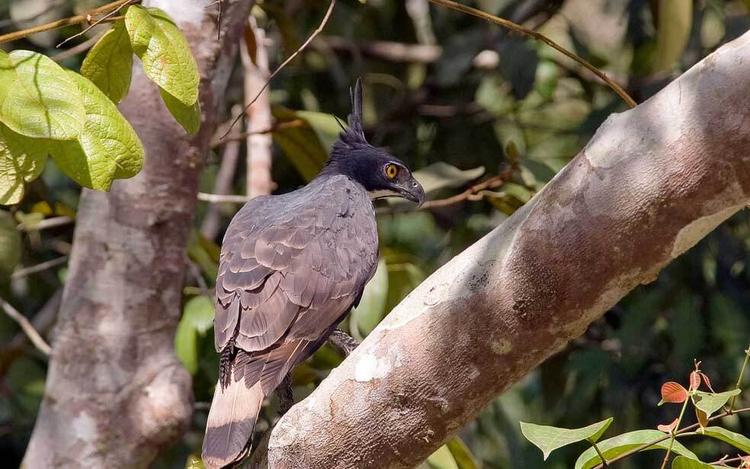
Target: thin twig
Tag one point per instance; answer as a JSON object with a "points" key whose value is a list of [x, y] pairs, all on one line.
{"points": [[45, 224], [673, 434], [275, 128], [473, 193], [107, 17], [78, 19], [304, 45], [26, 271], [599, 452], [77, 49], [739, 379], [26, 327], [685, 431], [540, 37], [221, 198]]}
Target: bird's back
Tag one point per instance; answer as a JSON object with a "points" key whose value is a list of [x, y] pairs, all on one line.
{"points": [[291, 267]]}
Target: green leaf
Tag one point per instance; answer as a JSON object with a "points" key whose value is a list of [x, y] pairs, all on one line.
{"points": [[205, 253], [709, 402], [197, 319], [10, 245], [109, 64], [681, 462], [189, 117], [371, 309], [444, 176], [39, 99], [461, 454], [194, 462], [627, 441], [299, 142], [107, 148], [165, 53], [737, 440], [21, 160], [675, 18], [442, 459], [326, 126], [548, 438]]}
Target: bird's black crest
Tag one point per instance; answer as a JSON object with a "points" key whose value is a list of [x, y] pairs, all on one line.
{"points": [[355, 135]]}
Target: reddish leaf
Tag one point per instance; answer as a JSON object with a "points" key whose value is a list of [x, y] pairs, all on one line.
{"points": [[708, 382], [673, 393], [668, 428], [702, 417], [695, 380]]}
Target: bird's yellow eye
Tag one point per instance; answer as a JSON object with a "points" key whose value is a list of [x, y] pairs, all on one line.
{"points": [[391, 171]]}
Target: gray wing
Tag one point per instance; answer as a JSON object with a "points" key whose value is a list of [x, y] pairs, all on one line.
{"points": [[292, 265]]}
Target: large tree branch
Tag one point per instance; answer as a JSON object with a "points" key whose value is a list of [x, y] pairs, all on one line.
{"points": [[115, 392], [650, 184]]}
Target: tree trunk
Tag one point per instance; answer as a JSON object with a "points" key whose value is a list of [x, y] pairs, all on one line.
{"points": [[116, 393], [650, 184]]}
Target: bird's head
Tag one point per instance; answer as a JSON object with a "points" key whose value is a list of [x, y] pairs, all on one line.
{"points": [[380, 173]]}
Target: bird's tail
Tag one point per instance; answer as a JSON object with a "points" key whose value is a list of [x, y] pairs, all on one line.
{"points": [[231, 420]]}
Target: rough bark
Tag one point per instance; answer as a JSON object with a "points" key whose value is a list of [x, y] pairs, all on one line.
{"points": [[650, 184], [115, 392]]}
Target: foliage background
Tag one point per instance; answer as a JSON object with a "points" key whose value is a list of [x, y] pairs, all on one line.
{"points": [[490, 100]]}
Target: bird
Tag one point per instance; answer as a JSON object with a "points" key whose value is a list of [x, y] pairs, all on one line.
{"points": [[291, 267]]}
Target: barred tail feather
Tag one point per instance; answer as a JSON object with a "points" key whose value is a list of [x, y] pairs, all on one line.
{"points": [[231, 420]]}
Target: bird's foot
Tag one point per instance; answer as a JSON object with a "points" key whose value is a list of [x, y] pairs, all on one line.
{"points": [[285, 395], [343, 342]]}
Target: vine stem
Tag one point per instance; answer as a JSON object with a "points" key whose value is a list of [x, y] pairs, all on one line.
{"points": [[540, 37], [684, 432], [739, 379], [598, 451], [673, 434], [78, 19]]}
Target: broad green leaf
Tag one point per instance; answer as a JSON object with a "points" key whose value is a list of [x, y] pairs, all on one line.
{"points": [[165, 53], [299, 142], [326, 126], [21, 160], [675, 18], [681, 462], [199, 311], [371, 309], [108, 147], [548, 438], [442, 459], [709, 402], [189, 117], [620, 444], [194, 462], [109, 63], [39, 99], [737, 440], [444, 176], [461, 454], [205, 253], [10, 245], [197, 319]]}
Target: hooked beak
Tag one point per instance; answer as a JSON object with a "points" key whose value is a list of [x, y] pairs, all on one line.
{"points": [[413, 191]]}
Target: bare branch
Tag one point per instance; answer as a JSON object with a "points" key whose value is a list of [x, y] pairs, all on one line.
{"points": [[78, 19], [649, 185], [222, 198], [302, 47], [45, 224], [26, 271], [26, 327], [540, 37]]}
